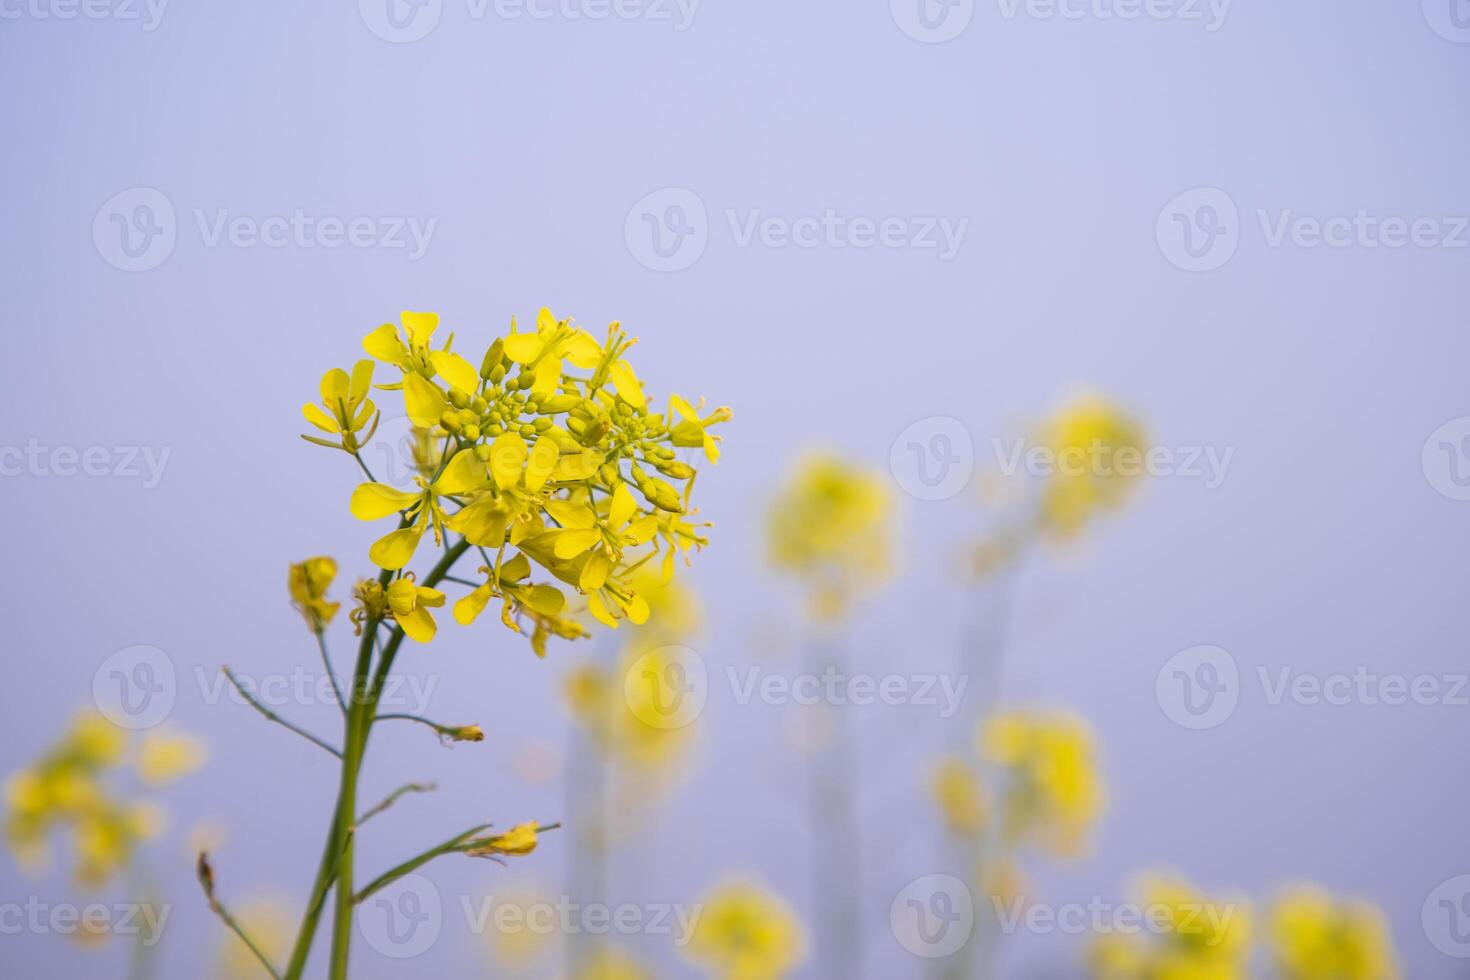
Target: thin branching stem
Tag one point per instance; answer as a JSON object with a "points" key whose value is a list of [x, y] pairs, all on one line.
{"points": [[272, 716]]}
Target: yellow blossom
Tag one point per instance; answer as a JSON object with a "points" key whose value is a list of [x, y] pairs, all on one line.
{"points": [[518, 840], [1198, 937], [1054, 793], [308, 582], [958, 793], [348, 411], [166, 756], [746, 933], [831, 526], [1098, 453], [405, 600], [1317, 937]]}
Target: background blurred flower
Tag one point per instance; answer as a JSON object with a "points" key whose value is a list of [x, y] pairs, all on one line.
{"points": [[1317, 937], [745, 933], [1051, 790], [1197, 938]]}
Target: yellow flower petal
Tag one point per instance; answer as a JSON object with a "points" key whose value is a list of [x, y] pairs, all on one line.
{"points": [[395, 549], [571, 514], [570, 544], [422, 400], [548, 376], [468, 609], [599, 612], [507, 459], [544, 457], [373, 501], [335, 385], [626, 383], [362, 379], [482, 523], [320, 419], [546, 600], [522, 347], [420, 327], [383, 343], [595, 571], [577, 466], [622, 507], [418, 625], [456, 370], [464, 473], [582, 350]]}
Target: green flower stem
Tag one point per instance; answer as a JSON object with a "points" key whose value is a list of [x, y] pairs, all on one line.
{"points": [[412, 864], [272, 716], [321, 645]]}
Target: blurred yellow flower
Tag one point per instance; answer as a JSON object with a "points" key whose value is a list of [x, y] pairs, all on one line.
{"points": [[1053, 792], [1316, 937], [611, 963], [66, 789], [1098, 453], [957, 790], [308, 582], [166, 756], [746, 933], [1193, 937], [831, 525]]}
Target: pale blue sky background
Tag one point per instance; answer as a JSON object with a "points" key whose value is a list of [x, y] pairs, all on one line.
{"points": [[527, 142]]}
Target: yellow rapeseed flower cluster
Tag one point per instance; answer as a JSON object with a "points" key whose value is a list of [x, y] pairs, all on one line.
{"points": [[831, 526], [546, 456], [746, 933], [68, 789], [1317, 937], [1085, 438], [1050, 790], [1193, 937]]}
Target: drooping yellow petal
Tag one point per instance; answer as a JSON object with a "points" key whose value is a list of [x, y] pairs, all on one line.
{"points": [[320, 419], [522, 347], [595, 571], [456, 370], [544, 457], [420, 327], [599, 612], [422, 400], [395, 549], [546, 600], [464, 473], [373, 501], [515, 569], [570, 544], [626, 382], [682, 408], [622, 507], [418, 625], [383, 343], [482, 522], [637, 609], [582, 350], [468, 609], [507, 459]]}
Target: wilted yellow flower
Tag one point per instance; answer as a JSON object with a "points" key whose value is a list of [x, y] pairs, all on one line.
{"points": [[308, 582], [1053, 790], [1197, 937], [957, 791], [1097, 453], [518, 840], [166, 756], [746, 933], [1316, 937], [831, 526], [544, 455], [349, 411]]}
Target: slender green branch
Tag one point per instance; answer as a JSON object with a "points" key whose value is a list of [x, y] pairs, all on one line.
{"points": [[272, 716], [206, 881], [393, 798], [412, 864], [321, 645], [456, 733]]}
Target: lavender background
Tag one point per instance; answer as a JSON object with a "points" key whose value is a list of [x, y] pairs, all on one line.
{"points": [[528, 142]]}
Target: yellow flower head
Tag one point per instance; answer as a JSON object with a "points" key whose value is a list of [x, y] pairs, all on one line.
{"points": [[746, 933], [962, 802], [1316, 937], [1053, 790], [1098, 453], [518, 840], [166, 756], [622, 710], [308, 582], [1197, 937], [547, 456], [405, 600], [831, 526], [349, 414]]}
